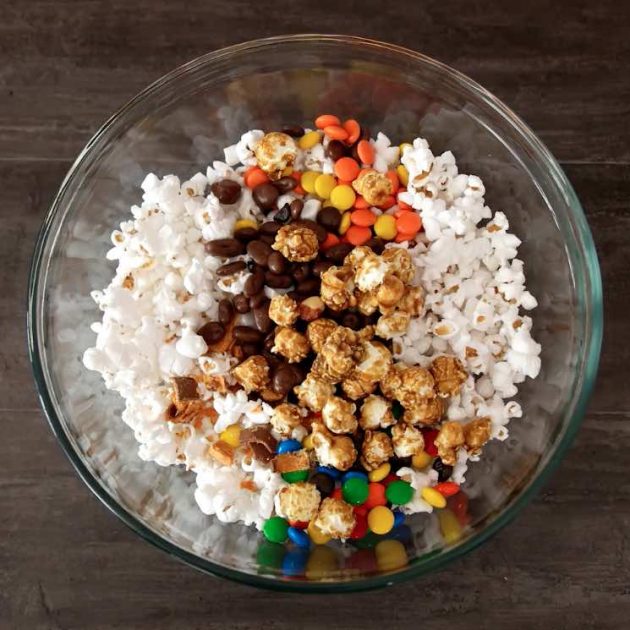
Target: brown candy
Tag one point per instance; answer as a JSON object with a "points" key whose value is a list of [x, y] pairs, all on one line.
{"points": [[231, 268], [226, 191], [226, 311], [259, 252], [261, 442], [225, 247], [184, 389], [265, 196], [255, 283], [212, 332]]}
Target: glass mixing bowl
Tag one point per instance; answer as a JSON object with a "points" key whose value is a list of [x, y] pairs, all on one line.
{"points": [[180, 124]]}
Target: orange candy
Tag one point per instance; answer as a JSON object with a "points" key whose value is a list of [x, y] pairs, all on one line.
{"points": [[359, 202], [388, 203], [404, 206], [354, 130], [365, 151], [401, 237], [336, 132], [393, 178], [254, 177], [408, 222], [326, 120], [376, 496], [447, 488], [329, 241], [346, 169], [363, 217], [358, 235]]}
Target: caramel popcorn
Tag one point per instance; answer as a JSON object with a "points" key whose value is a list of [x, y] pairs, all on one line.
{"points": [[299, 501], [337, 288], [449, 375], [376, 449], [476, 434], [275, 152], [356, 255], [390, 292], [335, 518], [426, 411], [318, 331], [296, 243], [290, 462], [449, 439], [291, 344], [356, 386], [392, 381], [415, 386], [376, 412], [369, 272], [392, 324], [283, 310], [285, 418], [366, 301], [338, 355], [338, 415], [407, 440], [400, 263], [222, 452], [313, 392], [311, 308], [373, 186], [333, 450], [412, 302], [252, 374], [374, 361]]}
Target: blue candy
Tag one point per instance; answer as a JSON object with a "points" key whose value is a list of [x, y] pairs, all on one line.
{"points": [[294, 562], [299, 537], [330, 471], [399, 518], [287, 446], [354, 474]]}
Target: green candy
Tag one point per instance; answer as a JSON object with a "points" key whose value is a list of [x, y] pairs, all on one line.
{"points": [[275, 529], [399, 492], [355, 491], [295, 476], [270, 555]]}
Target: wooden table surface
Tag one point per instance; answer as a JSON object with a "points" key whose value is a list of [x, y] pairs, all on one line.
{"points": [[66, 562]]}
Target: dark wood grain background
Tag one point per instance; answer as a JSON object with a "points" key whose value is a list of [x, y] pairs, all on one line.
{"points": [[65, 66]]}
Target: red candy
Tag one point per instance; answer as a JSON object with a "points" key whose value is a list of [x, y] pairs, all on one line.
{"points": [[447, 488], [299, 524], [429, 441], [361, 528], [376, 495]]}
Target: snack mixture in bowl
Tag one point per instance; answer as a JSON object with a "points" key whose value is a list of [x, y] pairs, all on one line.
{"points": [[324, 327]]}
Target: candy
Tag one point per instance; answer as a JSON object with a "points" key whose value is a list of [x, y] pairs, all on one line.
{"points": [[336, 132], [231, 435], [330, 471], [326, 120], [443, 470], [354, 130], [324, 185], [401, 237], [295, 476], [376, 495], [380, 473], [449, 526], [308, 179], [316, 534], [385, 227], [403, 175], [342, 197], [360, 528], [363, 217], [390, 201], [399, 492], [307, 442], [322, 563], [354, 474], [270, 554], [245, 223], [393, 178], [429, 441], [458, 504], [409, 223], [433, 497], [365, 151], [358, 235], [275, 529], [421, 460], [399, 518], [287, 446], [309, 140], [330, 241], [447, 488], [345, 223], [380, 520], [355, 491], [346, 169], [254, 177], [360, 202], [299, 537], [294, 562], [404, 146], [390, 555]]}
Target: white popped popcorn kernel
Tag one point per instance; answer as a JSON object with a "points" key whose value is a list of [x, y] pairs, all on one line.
{"points": [[191, 345]]}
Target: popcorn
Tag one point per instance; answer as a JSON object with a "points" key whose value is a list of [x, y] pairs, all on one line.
{"points": [[318, 331], [407, 440], [283, 310], [296, 243], [253, 373], [373, 186], [298, 501], [337, 288], [376, 412], [275, 152], [376, 449], [285, 418], [338, 415], [335, 518], [476, 434], [333, 450], [313, 392], [291, 344], [449, 439], [449, 374]]}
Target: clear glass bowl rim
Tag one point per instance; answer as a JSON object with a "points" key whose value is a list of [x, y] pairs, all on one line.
{"points": [[589, 295]]}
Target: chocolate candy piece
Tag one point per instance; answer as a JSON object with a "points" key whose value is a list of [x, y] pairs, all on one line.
{"points": [[285, 184], [295, 131], [184, 389], [277, 263], [377, 245], [261, 317], [265, 196], [308, 286], [320, 231], [296, 206], [329, 218], [270, 227], [231, 268], [255, 283], [352, 320], [336, 150], [262, 443], [226, 191], [320, 266], [256, 300], [283, 215], [246, 234], [247, 334], [278, 280], [226, 311], [225, 247], [301, 271], [259, 252], [241, 303], [338, 252], [212, 332], [284, 378]]}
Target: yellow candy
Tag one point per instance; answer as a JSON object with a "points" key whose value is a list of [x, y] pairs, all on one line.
{"points": [[449, 526], [231, 435], [316, 534], [380, 473], [322, 564], [403, 175], [421, 460], [327, 203], [287, 171], [324, 185], [433, 497], [307, 442], [380, 519], [245, 223], [404, 146], [390, 555], [385, 227], [309, 140], [345, 223], [342, 197], [308, 181]]}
